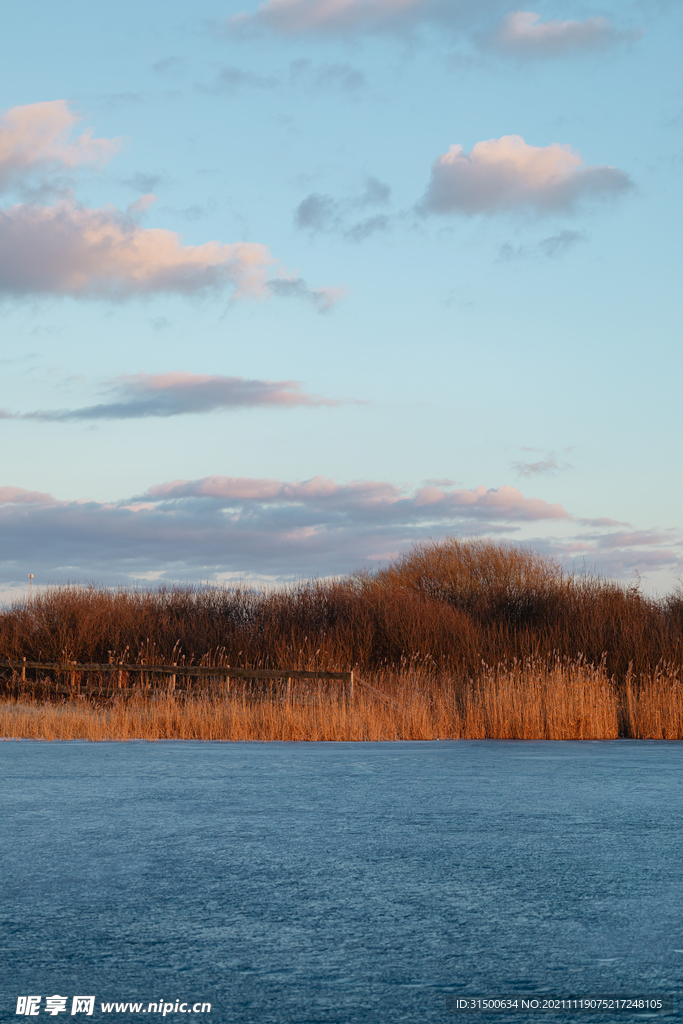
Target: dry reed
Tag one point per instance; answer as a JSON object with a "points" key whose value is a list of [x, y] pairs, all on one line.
{"points": [[556, 701]]}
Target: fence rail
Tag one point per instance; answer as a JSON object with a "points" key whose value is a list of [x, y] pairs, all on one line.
{"points": [[224, 671], [199, 671], [174, 671]]}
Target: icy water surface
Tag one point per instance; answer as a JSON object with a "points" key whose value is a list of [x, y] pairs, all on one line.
{"points": [[350, 882]]}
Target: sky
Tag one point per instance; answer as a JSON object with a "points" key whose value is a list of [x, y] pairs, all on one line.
{"points": [[287, 287]]}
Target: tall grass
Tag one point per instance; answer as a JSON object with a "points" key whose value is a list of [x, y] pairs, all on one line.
{"points": [[466, 638], [560, 701]]}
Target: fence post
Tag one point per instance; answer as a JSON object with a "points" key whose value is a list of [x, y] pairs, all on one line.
{"points": [[172, 683], [351, 686], [23, 671], [120, 675]]}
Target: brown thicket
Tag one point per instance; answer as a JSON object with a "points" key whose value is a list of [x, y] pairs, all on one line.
{"points": [[477, 638], [449, 605]]}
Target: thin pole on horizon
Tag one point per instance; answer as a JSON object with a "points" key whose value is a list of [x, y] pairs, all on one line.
{"points": [[30, 583]]}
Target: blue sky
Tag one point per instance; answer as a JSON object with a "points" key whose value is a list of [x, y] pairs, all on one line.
{"points": [[286, 288]]}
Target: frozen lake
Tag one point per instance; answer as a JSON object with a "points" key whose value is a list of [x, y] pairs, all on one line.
{"points": [[298, 883]]}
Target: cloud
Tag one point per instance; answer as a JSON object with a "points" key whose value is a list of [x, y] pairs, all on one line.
{"points": [[231, 80], [340, 77], [71, 250], [141, 182], [548, 248], [68, 249], [219, 525], [506, 174], [544, 466], [37, 139], [372, 499], [523, 34], [18, 496], [557, 245], [173, 65], [548, 466], [323, 213], [620, 554], [370, 226], [316, 212], [301, 74], [356, 17], [290, 17], [324, 299], [231, 524], [174, 394]]}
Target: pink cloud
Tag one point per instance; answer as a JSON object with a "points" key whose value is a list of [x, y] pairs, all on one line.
{"points": [[316, 489], [38, 137], [506, 502], [636, 538], [18, 496], [68, 249], [143, 395], [506, 174], [372, 496], [619, 554], [327, 16], [523, 34]]}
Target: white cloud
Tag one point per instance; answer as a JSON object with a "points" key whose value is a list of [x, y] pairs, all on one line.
{"points": [[505, 174], [523, 34]]}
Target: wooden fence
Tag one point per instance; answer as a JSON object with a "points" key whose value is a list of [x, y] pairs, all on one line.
{"points": [[174, 672]]}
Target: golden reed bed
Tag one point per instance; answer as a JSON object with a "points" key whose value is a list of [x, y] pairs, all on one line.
{"points": [[563, 701]]}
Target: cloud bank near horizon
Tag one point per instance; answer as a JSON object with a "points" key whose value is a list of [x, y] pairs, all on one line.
{"points": [[216, 526], [142, 395], [507, 174]]}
